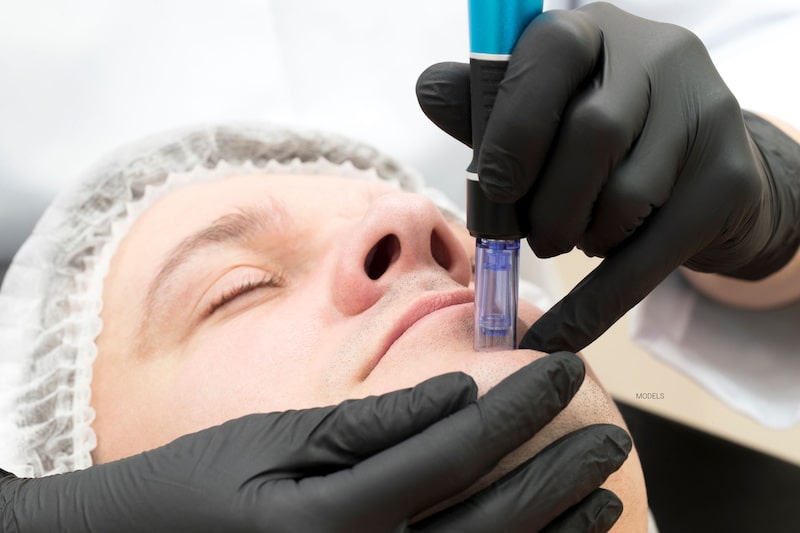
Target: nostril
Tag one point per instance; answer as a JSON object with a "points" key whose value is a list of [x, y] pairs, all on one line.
{"points": [[381, 256], [440, 251]]}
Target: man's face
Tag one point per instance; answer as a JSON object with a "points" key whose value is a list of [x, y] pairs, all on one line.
{"points": [[267, 293]]}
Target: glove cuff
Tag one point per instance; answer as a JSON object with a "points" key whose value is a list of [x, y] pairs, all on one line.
{"points": [[8, 521], [781, 157]]}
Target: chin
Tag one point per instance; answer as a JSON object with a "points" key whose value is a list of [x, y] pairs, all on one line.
{"points": [[434, 347], [589, 406], [443, 344], [506, 465]]}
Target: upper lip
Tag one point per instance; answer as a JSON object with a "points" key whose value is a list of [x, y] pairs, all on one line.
{"points": [[420, 308]]}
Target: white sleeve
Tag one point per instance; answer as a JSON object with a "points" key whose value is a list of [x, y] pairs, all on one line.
{"points": [[749, 359], [756, 58]]}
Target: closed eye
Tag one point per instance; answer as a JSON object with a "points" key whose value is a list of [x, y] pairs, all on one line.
{"points": [[267, 281]]}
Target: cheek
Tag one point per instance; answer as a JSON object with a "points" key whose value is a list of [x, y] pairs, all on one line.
{"points": [[252, 364], [528, 314]]}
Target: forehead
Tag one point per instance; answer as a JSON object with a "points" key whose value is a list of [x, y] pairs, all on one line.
{"points": [[210, 200], [184, 211]]}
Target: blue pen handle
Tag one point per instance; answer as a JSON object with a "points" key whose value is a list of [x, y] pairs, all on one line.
{"points": [[495, 25], [494, 28]]}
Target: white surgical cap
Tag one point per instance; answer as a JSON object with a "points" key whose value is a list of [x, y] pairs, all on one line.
{"points": [[51, 297]]}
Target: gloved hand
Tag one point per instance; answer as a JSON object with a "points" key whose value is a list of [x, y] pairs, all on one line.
{"points": [[616, 134], [364, 465]]}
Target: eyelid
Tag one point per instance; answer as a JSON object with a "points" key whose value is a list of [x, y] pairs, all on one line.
{"points": [[246, 285]]}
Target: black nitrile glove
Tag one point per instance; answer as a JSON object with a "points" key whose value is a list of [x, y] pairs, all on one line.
{"points": [[616, 134], [364, 465]]}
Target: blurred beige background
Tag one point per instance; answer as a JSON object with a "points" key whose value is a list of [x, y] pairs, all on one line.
{"points": [[625, 370]]}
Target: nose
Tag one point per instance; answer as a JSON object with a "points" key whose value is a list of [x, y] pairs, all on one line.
{"points": [[401, 235]]}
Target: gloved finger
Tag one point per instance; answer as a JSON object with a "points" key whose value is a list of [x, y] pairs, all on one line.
{"points": [[543, 488], [680, 229], [640, 184], [597, 513], [554, 56], [598, 129], [321, 440], [443, 95], [453, 453], [360, 428]]}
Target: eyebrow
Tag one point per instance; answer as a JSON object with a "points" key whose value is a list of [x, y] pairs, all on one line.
{"points": [[243, 225]]}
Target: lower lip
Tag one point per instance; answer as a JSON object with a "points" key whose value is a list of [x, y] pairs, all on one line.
{"points": [[464, 312]]}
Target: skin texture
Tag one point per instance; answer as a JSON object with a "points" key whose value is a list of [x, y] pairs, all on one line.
{"points": [[375, 295]]}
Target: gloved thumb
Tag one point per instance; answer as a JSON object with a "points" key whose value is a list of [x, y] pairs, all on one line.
{"points": [[443, 94]]}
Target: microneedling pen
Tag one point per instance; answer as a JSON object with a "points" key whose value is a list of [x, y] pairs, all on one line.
{"points": [[494, 27]]}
